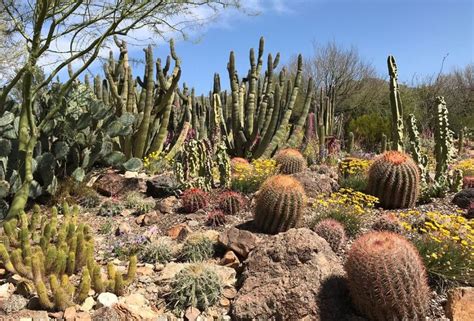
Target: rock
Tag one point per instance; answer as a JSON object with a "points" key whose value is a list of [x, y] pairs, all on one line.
{"points": [[167, 205], [192, 313], [470, 211], [179, 232], [170, 270], [138, 306], [144, 270], [224, 302], [29, 315], [229, 292], [106, 299], [464, 198], [6, 290], [226, 274], [230, 259], [460, 305], [15, 279], [148, 219], [162, 186], [112, 183], [25, 288], [193, 223], [88, 304], [123, 228], [126, 213], [213, 235], [291, 276], [14, 303], [468, 182], [83, 316], [70, 314], [315, 183], [239, 241]]}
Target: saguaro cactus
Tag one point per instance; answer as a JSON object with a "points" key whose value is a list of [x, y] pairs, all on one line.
{"points": [[387, 279], [397, 108]]}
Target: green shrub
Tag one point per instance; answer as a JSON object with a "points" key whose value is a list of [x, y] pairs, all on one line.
{"points": [[369, 128], [357, 182]]}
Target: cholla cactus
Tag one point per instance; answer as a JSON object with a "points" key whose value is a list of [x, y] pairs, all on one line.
{"points": [[291, 161], [45, 250], [415, 149], [386, 277], [195, 286], [194, 199], [333, 232]]}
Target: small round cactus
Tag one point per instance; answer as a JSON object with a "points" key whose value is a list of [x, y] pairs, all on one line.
{"points": [[290, 160], [332, 231], [216, 218], [387, 222], [279, 204], [196, 248], [231, 202], [197, 286], [386, 277], [395, 179], [194, 199], [239, 161]]}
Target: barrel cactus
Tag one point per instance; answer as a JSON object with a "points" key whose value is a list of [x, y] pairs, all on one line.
{"points": [[279, 204], [395, 179], [333, 232], [194, 199], [291, 161], [231, 202], [387, 222], [386, 277]]}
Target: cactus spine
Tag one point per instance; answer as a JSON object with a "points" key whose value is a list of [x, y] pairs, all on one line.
{"points": [[279, 205], [394, 178], [397, 108], [387, 279]]}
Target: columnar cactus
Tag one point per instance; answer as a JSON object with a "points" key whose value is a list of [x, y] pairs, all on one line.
{"points": [[44, 251], [279, 205], [231, 202], [394, 178], [386, 277], [383, 144], [461, 141], [194, 199], [397, 108], [443, 136], [333, 232], [420, 159], [350, 142], [291, 161]]}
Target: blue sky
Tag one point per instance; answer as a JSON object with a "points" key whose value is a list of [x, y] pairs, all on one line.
{"points": [[419, 33]]}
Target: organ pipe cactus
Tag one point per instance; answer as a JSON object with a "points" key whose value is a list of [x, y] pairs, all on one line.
{"points": [[394, 178], [279, 205], [396, 104], [386, 277]]}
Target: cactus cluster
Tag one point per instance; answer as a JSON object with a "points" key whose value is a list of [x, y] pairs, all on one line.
{"points": [[279, 204], [394, 178], [415, 149], [194, 199], [195, 286], [231, 202], [333, 232], [290, 161], [386, 277], [47, 251]]}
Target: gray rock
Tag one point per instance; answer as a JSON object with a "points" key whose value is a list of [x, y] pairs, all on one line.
{"points": [[464, 198], [14, 303]]}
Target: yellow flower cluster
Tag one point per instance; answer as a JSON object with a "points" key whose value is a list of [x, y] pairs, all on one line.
{"points": [[467, 166], [358, 202], [153, 157], [156, 162], [354, 166], [248, 178]]}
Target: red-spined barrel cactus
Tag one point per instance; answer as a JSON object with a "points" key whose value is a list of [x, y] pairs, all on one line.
{"points": [[395, 179], [194, 199], [216, 218], [231, 202], [279, 204], [332, 231], [386, 277], [290, 160], [387, 222]]}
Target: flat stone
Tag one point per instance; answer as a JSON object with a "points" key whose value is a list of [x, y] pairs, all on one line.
{"points": [[179, 232], [166, 206], [6, 290], [460, 305], [230, 259], [88, 304], [112, 183], [123, 228], [162, 186], [106, 299], [14, 303], [229, 292], [148, 219], [29, 315]]}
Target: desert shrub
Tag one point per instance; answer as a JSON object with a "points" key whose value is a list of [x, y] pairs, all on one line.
{"points": [[356, 182], [158, 251], [197, 248], [248, 179], [195, 286], [156, 163], [136, 202], [106, 227], [369, 128]]}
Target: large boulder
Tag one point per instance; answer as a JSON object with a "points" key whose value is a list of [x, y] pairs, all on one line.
{"points": [[464, 198], [291, 276], [113, 183], [317, 182], [161, 186], [239, 241]]}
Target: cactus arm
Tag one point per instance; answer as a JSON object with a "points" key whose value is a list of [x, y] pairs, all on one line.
{"points": [[302, 119], [396, 104]]}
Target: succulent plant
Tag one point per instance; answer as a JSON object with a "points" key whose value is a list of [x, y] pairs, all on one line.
{"points": [[231, 202], [135, 201], [386, 277], [196, 248], [290, 160], [156, 252], [279, 204], [195, 286], [239, 161], [333, 232], [216, 218], [395, 179], [387, 222], [110, 208], [194, 199], [46, 252]]}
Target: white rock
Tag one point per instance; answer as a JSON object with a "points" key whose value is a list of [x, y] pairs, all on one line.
{"points": [[88, 304], [5, 290], [106, 299]]}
